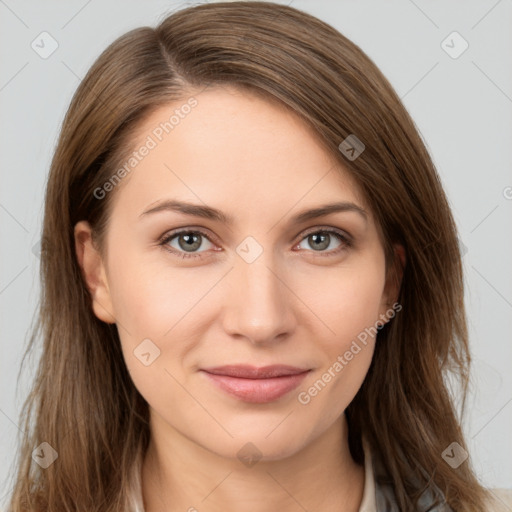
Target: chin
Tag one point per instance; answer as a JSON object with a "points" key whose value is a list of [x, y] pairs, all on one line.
{"points": [[257, 444]]}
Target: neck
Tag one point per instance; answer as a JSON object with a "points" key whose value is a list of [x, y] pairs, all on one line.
{"points": [[180, 475]]}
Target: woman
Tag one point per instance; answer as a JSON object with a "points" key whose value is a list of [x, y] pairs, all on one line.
{"points": [[251, 283]]}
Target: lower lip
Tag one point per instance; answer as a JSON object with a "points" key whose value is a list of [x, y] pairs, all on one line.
{"points": [[258, 391]]}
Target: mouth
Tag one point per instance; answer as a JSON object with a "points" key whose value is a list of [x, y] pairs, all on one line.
{"points": [[256, 385]]}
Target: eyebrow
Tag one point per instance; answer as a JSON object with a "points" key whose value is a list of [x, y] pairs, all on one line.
{"points": [[207, 212]]}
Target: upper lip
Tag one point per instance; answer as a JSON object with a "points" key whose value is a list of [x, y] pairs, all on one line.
{"points": [[252, 372]]}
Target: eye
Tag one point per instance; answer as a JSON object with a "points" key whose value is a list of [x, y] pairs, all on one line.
{"points": [[186, 243], [322, 239]]}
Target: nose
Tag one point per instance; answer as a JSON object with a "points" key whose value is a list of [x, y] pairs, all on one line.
{"points": [[258, 303]]}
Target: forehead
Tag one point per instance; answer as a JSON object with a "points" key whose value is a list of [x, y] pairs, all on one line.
{"points": [[229, 146]]}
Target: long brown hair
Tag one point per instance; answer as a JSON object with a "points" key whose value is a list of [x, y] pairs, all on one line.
{"points": [[83, 402]]}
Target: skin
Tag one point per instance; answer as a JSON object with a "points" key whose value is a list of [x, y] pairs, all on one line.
{"points": [[295, 304]]}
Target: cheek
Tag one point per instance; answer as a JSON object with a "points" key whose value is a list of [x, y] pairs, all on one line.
{"points": [[149, 300], [348, 301], [345, 300], [152, 303], [151, 318]]}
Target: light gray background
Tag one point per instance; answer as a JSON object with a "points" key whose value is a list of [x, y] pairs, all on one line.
{"points": [[462, 107]]}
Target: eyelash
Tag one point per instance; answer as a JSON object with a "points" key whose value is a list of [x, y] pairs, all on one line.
{"points": [[344, 239]]}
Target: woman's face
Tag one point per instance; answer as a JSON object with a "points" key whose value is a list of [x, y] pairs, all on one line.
{"points": [[271, 287]]}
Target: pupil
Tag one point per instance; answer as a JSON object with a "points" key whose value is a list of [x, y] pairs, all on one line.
{"points": [[324, 240], [191, 241]]}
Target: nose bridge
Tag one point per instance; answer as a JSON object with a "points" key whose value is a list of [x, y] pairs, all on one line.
{"points": [[258, 305]]}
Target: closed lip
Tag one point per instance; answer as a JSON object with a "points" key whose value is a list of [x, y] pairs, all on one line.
{"points": [[243, 371]]}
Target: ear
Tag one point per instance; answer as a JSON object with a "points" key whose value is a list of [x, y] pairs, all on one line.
{"points": [[393, 280], [93, 272]]}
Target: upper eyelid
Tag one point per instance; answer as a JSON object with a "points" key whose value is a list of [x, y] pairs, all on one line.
{"points": [[173, 233], [316, 229]]}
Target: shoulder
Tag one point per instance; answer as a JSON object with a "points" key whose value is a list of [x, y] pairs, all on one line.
{"points": [[501, 500]]}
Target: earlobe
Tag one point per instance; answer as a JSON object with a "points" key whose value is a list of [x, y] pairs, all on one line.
{"points": [[93, 272]]}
